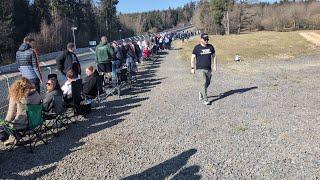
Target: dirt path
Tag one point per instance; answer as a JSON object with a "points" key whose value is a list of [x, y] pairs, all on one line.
{"points": [[311, 37], [262, 124]]}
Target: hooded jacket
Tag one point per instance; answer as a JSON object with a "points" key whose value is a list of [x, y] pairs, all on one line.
{"points": [[104, 53], [26, 60]]}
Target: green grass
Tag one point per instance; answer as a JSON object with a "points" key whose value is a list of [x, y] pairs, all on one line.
{"points": [[256, 45]]}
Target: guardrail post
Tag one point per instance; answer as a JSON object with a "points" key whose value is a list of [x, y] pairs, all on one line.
{"points": [[50, 70], [7, 80]]}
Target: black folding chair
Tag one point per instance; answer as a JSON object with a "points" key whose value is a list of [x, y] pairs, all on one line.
{"points": [[75, 104], [58, 118]]}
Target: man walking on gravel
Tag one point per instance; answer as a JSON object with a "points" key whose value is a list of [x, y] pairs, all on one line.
{"points": [[201, 64]]}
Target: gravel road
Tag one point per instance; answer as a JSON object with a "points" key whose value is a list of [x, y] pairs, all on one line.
{"points": [[263, 123]]}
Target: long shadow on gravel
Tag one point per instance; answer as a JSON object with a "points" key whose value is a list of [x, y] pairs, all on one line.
{"points": [[45, 158], [231, 92], [174, 166]]}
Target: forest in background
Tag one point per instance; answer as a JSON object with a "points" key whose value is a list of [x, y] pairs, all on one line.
{"points": [[50, 21], [230, 16]]}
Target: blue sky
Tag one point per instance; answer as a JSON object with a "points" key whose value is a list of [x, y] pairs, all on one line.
{"points": [[130, 6]]}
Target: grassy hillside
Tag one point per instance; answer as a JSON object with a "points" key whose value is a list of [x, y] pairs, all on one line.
{"points": [[257, 45]]}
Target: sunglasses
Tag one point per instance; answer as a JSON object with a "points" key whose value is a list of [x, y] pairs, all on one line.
{"points": [[206, 39]]}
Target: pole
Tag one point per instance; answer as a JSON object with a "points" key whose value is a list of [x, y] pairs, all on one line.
{"points": [[74, 38], [120, 34]]}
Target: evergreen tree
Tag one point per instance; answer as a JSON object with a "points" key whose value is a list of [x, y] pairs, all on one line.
{"points": [[6, 27], [21, 21], [109, 15]]}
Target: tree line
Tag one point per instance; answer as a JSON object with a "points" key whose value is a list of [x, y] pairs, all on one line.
{"points": [[49, 22], [155, 21], [230, 16]]}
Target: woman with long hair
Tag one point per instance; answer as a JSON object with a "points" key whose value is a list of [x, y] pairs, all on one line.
{"points": [[21, 93]]}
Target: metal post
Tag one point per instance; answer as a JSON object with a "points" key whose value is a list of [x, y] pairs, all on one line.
{"points": [[120, 30], [7, 80], [50, 70], [74, 36]]}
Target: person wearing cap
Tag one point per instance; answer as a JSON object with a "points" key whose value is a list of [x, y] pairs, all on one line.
{"points": [[201, 64]]}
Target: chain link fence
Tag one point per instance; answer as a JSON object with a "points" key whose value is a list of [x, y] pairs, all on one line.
{"points": [[7, 80], [5, 84]]}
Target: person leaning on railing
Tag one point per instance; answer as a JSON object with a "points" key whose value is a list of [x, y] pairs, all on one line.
{"points": [[22, 93]]}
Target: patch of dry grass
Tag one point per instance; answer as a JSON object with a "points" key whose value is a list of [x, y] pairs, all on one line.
{"points": [[256, 45]]}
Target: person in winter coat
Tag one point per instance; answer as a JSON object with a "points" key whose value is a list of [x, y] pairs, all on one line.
{"points": [[131, 57], [90, 85], [68, 60], [22, 92], [26, 59], [104, 56], [53, 90]]}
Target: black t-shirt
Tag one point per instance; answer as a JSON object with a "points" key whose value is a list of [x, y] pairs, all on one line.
{"points": [[203, 56]]}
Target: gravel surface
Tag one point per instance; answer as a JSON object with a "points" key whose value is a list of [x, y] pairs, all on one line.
{"points": [[263, 123]]}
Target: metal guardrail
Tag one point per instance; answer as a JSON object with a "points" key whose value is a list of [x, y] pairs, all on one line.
{"points": [[7, 80], [10, 68]]}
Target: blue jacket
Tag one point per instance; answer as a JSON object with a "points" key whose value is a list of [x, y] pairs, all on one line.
{"points": [[26, 60]]}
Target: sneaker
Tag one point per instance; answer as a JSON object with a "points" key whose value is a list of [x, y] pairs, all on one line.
{"points": [[206, 102], [200, 96], [9, 141]]}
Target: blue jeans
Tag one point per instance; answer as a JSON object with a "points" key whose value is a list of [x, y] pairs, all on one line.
{"points": [[131, 64], [115, 65], [62, 77]]}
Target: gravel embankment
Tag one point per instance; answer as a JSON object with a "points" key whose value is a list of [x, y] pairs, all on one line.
{"points": [[263, 123]]}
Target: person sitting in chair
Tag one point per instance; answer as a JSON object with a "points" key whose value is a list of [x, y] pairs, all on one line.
{"points": [[90, 86], [53, 90], [66, 88], [22, 92]]}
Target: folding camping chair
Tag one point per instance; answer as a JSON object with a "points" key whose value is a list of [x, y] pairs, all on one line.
{"points": [[33, 133], [75, 104], [59, 118]]}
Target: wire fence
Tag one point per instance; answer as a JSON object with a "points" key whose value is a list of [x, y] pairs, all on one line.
{"points": [[5, 84], [6, 81]]}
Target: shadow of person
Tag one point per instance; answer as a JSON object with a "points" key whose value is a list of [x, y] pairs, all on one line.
{"points": [[188, 173], [75, 137], [231, 92], [169, 167]]}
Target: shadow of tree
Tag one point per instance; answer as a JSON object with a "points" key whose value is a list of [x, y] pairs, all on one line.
{"points": [[231, 92], [170, 168]]}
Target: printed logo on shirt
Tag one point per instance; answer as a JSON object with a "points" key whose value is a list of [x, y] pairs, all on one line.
{"points": [[205, 51]]}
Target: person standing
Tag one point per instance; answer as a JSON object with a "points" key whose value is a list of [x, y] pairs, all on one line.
{"points": [[67, 61], [201, 64], [104, 56], [116, 61], [26, 59]]}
